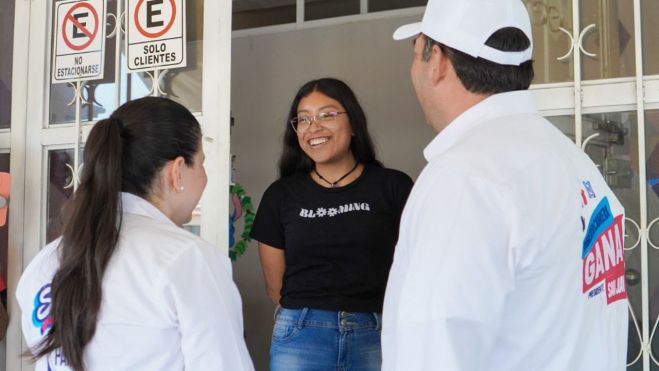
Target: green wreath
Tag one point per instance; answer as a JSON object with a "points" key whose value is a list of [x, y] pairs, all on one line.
{"points": [[242, 206]]}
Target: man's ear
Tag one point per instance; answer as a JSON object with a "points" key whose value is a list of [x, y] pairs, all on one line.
{"points": [[441, 65]]}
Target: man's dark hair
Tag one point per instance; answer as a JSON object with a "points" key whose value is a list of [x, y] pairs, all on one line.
{"points": [[482, 76]]}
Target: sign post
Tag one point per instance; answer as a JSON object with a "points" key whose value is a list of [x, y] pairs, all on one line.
{"points": [[155, 36], [79, 53]]}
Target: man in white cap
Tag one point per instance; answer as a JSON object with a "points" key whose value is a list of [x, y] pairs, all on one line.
{"points": [[510, 255]]}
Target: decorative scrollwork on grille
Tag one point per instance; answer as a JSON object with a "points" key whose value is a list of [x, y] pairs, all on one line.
{"points": [[118, 24], [638, 234], [572, 44], [75, 176], [577, 43], [649, 234], [649, 346], [156, 80], [585, 142], [582, 35], [77, 93], [638, 333]]}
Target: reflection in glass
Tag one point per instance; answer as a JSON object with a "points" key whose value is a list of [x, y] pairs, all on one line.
{"points": [[182, 85], [549, 42], [378, 5], [59, 189], [4, 237], [319, 9], [6, 44], [4, 245], [649, 15], [652, 153], [611, 141], [565, 124], [611, 39], [255, 13]]}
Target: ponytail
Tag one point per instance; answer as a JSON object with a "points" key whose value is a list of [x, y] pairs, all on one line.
{"points": [[88, 242], [123, 153]]}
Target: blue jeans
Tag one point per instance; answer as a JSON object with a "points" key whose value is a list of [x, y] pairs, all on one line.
{"points": [[321, 340]]}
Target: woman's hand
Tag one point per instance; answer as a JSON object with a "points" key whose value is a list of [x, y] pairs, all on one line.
{"points": [[273, 264]]}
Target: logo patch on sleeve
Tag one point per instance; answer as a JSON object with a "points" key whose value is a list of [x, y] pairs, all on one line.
{"points": [[41, 318], [603, 261]]}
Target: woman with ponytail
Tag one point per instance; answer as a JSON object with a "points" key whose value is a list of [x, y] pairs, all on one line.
{"points": [[125, 287]]}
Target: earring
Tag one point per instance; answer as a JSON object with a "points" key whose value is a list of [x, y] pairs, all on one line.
{"points": [[182, 188]]}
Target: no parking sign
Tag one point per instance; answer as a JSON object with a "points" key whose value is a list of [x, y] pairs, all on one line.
{"points": [[79, 40], [155, 37]]}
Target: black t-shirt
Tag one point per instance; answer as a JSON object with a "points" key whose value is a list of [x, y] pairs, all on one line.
{"points": [[339, 242]]}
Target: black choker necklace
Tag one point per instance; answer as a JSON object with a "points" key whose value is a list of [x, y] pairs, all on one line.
{"points": [[333, 184]]}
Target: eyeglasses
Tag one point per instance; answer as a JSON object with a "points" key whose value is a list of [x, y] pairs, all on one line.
{"points": [[302, 123]]}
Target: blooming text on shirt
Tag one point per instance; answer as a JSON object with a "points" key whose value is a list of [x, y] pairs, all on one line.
{"points": [[322, 212]]}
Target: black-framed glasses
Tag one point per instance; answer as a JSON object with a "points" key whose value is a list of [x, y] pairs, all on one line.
{"points": [[302, 123]]}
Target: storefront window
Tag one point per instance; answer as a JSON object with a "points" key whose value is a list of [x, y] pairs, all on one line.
{"points": [[379, 5], [182, 85], [550, 20], [319, 9], [252, 13], [652, 167], [4, 245], [59, 189], [6, 43], [608, 27], [99, 95], [4, 236], [565, 124], [611, 141], [649, 15]]}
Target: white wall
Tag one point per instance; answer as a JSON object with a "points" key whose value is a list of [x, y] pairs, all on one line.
{"points": [[267, 71]]}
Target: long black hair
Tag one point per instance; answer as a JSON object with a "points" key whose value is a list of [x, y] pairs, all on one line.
{"points": [[123, 153], [294, 160]]}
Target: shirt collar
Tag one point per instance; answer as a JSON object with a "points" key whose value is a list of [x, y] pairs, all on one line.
{"points": [[133, 204], [493, 107]]}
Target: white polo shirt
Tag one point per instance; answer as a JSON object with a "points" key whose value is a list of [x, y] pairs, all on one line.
{"points": [[510, 255], [169, 301]]}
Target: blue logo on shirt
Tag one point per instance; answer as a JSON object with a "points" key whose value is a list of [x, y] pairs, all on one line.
{"points": [[600, 220], [41, 318]]}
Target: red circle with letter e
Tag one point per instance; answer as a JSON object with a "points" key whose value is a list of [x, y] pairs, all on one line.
{"points": [[69, 17], [153, 35]]}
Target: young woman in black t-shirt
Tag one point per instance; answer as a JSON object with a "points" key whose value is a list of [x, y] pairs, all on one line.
{"points": [[327, 230]]}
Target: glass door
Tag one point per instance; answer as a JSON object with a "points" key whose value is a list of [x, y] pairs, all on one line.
{"points": [[51, 123], [591, 81]]}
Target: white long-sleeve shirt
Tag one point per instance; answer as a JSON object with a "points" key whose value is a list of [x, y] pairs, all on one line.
{"points": [[510, 255], [169, 301]]}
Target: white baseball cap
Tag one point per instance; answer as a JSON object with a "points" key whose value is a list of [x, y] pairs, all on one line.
{"points": [[465, 25]]}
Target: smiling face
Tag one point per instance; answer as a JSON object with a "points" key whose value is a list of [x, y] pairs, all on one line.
{"points": [[326, 142]]}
